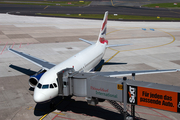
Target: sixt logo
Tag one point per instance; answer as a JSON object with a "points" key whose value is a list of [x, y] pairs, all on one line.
{"points": [[132, 94]]}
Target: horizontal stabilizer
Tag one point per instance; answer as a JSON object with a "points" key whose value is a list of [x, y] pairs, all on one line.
{"points": [[89, 42], [117, 45]]}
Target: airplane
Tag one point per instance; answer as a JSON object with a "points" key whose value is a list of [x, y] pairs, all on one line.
{"points": [[44, 82]]}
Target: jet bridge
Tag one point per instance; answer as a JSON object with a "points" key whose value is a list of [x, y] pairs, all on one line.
{"points": [[89, 85], [95, 86]]}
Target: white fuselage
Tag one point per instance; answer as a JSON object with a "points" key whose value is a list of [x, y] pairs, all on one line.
{"points": [[83, 61]]}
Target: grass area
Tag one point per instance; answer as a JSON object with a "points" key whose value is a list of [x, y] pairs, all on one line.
{"points": [[49, 3], [164, 5], [111, 16]]}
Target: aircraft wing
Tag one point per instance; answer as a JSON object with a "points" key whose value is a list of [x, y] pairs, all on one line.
{"points": [[129, 73], [89, 42], [44, 64]]}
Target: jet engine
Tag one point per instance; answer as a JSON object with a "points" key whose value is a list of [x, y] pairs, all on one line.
{"points": [[34, 79]]}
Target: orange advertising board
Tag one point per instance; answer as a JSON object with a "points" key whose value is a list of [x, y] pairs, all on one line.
{"points": [[159, 99], [154, 98]]}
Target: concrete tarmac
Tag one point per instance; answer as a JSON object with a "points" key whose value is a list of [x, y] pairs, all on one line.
{"points": [[155, 45]]}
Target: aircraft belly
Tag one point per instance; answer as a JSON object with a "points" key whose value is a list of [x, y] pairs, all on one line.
{"points": [[91, 64]]}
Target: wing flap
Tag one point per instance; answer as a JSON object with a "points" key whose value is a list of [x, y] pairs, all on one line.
{"points": [[44, 64]]}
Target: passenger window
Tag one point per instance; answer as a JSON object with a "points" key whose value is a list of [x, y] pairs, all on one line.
{"points": [[45, 86], [51, 86], [54, 84], [39, 85]]}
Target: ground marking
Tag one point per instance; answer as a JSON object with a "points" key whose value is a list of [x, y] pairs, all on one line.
{"points": [[147, 47], [49, 111], [4, 48], [112, 3], [46, 7]]}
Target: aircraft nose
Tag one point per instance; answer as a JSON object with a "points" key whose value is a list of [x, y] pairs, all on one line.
{"points": [[39, 97]]}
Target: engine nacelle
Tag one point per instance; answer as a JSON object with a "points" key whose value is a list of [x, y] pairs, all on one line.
{"points": [[33, 80]]}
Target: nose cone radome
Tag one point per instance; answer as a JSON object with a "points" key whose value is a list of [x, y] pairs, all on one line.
{"points": [[39, 96]]}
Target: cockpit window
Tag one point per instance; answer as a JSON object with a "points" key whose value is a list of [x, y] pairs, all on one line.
{"points": [[45, 86], [39, 85], [51, 86], [54, 84]]}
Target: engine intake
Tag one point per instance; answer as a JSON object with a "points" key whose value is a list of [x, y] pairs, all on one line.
{"points": [[33, 80]]}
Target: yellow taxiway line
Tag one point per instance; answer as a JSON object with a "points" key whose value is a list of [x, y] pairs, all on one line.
{"points": [[112, 57], [43, 116], [138, 48], [46, 7], [51, 112], [151, 46], [112, 3]]}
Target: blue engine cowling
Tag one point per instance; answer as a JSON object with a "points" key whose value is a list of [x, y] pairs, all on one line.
{"points": [[33, 80]]}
